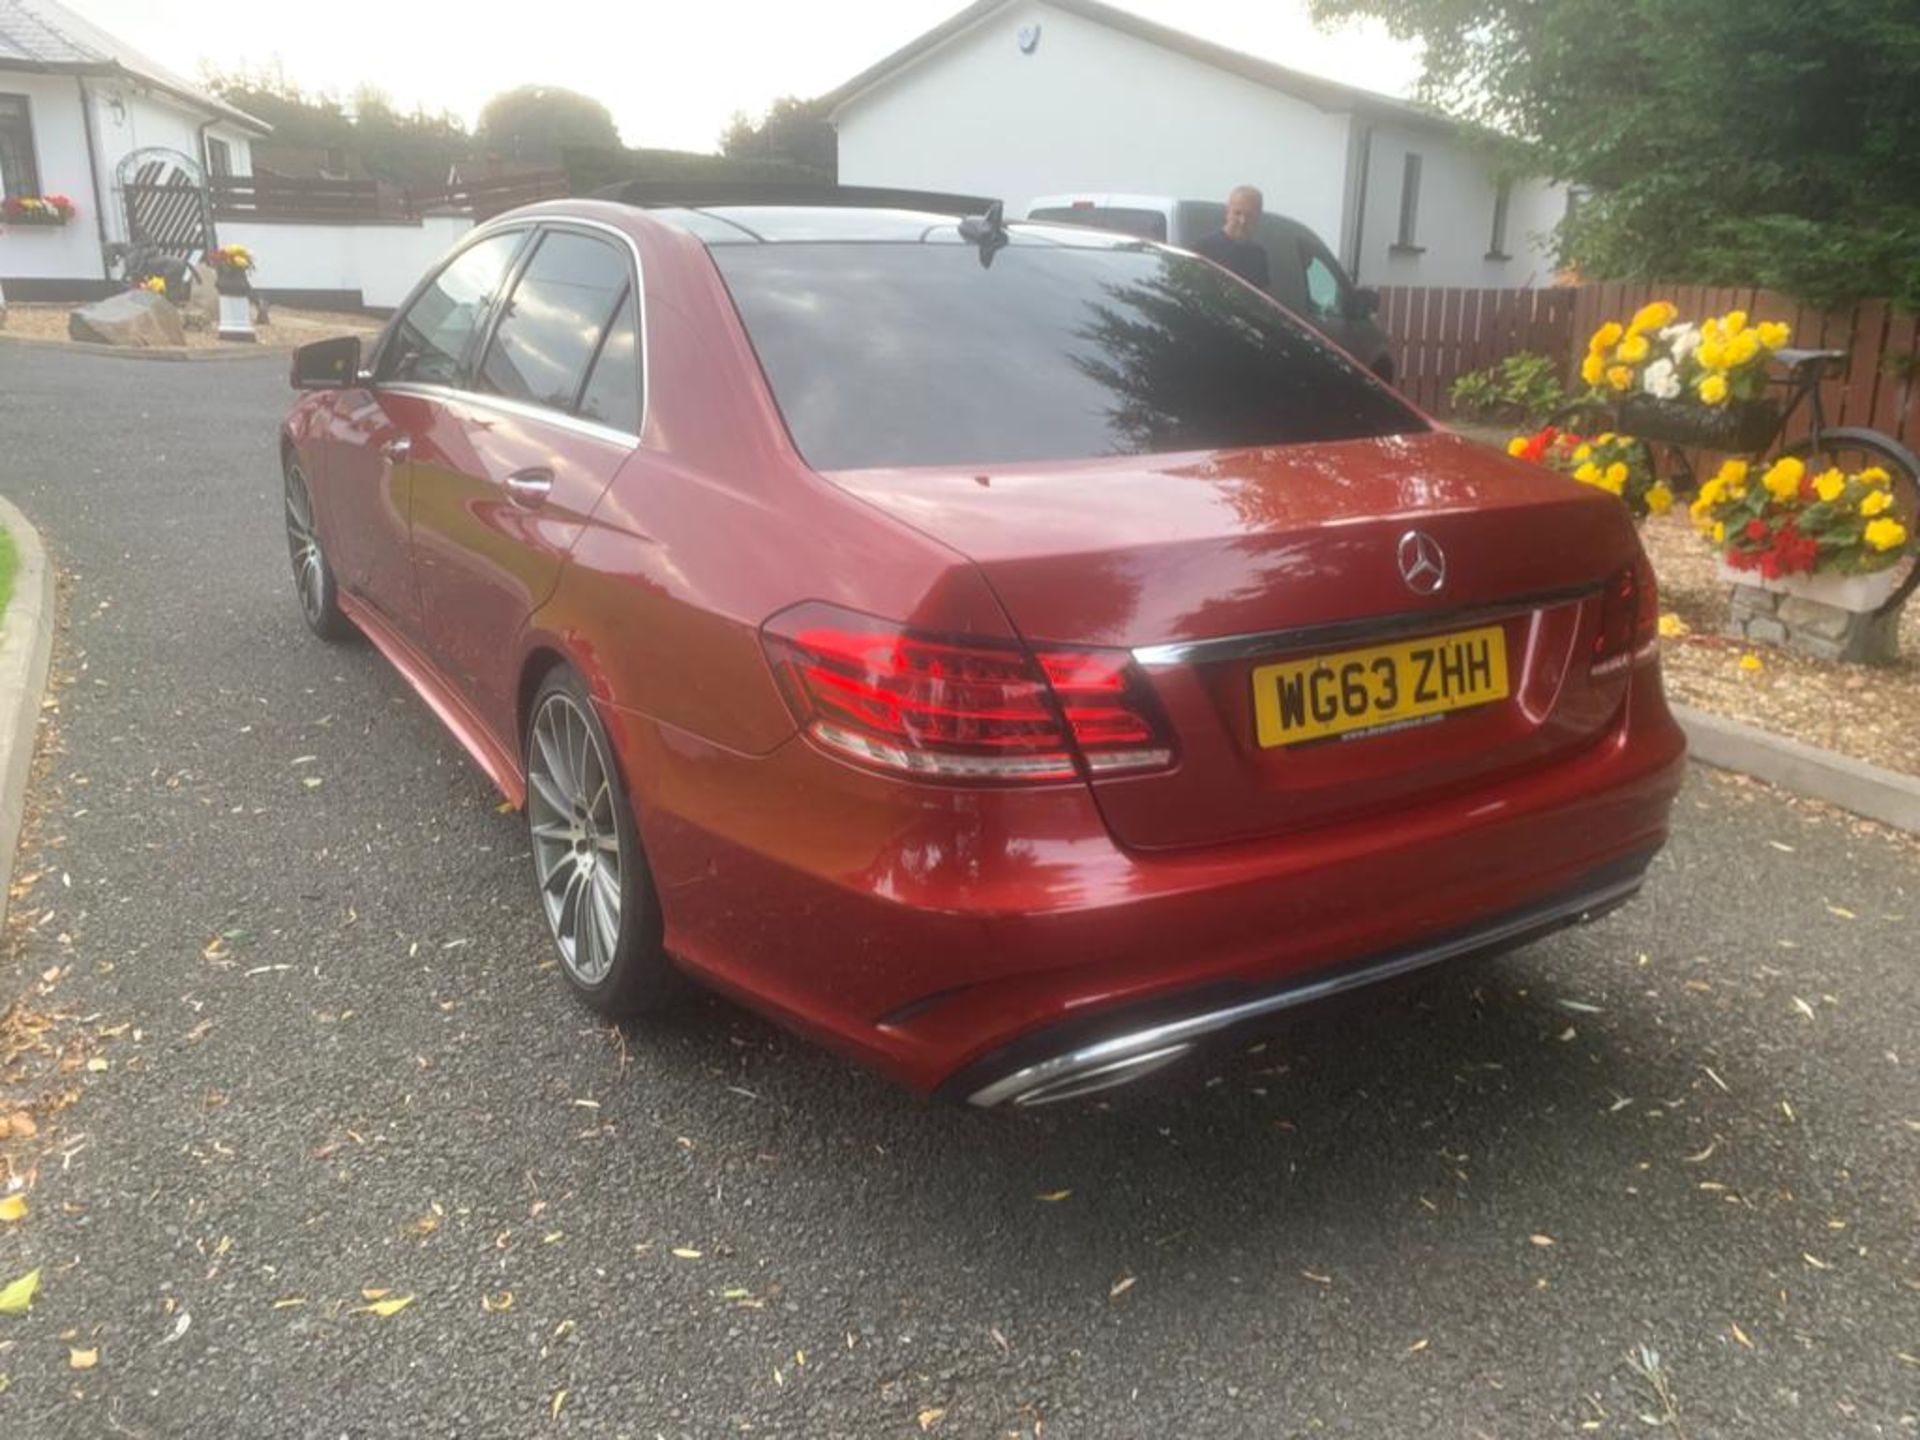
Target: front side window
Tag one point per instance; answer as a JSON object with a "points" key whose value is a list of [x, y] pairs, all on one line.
{"points": [[917, 354], [429, 343], [19, 172], [1323, 285], [552, 324]]}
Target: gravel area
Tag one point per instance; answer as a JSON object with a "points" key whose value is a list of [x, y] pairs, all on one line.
{"points": [[287, 327], [321, 1147]]}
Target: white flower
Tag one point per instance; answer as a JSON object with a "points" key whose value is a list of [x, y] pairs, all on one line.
{"points": [[1661, 379], [1684, 339]]}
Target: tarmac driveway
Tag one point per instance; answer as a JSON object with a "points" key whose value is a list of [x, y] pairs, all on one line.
{"points": [[285, 942]]}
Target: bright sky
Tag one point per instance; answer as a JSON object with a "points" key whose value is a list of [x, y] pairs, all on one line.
{"points": [[672, 72]]}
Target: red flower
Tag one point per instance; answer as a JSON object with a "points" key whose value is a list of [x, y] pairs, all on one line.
{"points": [[1757, 530], [1537, 445]]}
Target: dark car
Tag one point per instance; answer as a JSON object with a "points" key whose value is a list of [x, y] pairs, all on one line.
{"points": [[1304, 275], [1009, 654]]}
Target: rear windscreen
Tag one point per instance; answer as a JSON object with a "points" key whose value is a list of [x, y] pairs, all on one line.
{"points": [[1146, 224], [917, 354]]}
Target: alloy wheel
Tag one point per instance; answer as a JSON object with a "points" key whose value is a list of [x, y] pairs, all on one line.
{"points": [[576, 838], [303, 545]]}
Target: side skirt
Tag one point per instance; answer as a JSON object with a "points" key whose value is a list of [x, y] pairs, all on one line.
{"points": [[495, 761]]}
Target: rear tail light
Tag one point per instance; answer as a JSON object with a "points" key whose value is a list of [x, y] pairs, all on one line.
{"points": [[961, 709], [1629, 618]]}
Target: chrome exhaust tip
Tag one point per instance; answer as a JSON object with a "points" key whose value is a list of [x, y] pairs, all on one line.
{"points": [[1081, 1072]]}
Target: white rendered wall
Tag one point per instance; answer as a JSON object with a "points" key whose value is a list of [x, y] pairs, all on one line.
{"points": [[382, 262], [1454, 220], [71, 251], [1093, 108]]}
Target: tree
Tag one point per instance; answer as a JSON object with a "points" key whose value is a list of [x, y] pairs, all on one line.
{"points": [[538, 122], [1765, 142], [793, 132], [414, 150]]}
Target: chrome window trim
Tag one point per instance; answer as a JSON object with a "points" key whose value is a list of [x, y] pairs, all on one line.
{"points": [[534, 223], [522, 409], [1341, 632]]}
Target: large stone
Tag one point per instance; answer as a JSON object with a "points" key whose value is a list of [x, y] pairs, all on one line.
{"points": [[138, 319], [1766, 632], [1812, 617], [205, 299]]}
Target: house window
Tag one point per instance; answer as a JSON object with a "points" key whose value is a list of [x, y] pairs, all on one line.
{"points": [[1409, 203], [219, 157], [333, 163], [19, 175], [1497, 247]]}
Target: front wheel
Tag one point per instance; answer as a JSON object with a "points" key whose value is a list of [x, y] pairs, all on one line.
{"points": [[595, 888], [313, 583], [1851, 450]]}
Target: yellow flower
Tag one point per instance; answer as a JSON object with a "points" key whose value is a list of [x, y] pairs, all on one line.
{"points": [[1750, 662], [1783, 479], [1830, 486], [1734, 321], [1712, 492], [1742, 348], [1774, 333], [1619, 376], [1885, 534], [1605, 437], [1719, 532], [1585, 452], [1632, 350], [1654, 315], [1672, 627], [1873, 475], [1593, 369], [1713, 389], [1733, 474], [1659, 498], [1875, 503], [1712, 354], [1517, 446], [1605, 338], [1588, 474], [1616, 477]]}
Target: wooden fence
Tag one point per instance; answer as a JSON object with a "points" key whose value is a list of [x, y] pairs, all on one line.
{"points": [[299, 200], [1441, 334]]}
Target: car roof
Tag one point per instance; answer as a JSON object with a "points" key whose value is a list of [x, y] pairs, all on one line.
{"points": [[793, 224]]}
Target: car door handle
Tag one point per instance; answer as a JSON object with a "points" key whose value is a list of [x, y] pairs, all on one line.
{"points": [[398, 448], [530, 487]]}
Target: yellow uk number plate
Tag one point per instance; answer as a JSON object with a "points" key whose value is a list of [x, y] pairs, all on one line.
{"points": [[1388, 686]]}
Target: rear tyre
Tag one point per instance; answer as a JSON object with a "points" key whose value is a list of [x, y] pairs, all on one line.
{"points": [[313, 583], [1852, 450], [594, 885]]}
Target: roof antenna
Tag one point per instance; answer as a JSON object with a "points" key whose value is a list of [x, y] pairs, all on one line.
{"points": [[988, 231]]}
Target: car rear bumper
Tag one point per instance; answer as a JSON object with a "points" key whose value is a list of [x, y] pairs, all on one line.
{"points": [[955, 938], [1097, 1053]]}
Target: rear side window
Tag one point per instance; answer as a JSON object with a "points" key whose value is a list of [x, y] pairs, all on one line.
{"points": [[612, 396], [917, 354], [551, 327], [430, 341], [1143, 224]]}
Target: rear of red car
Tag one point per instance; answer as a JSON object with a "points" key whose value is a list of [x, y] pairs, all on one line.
{"points": [[1280, 690]]}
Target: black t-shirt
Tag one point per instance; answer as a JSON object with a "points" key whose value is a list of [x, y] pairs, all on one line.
{"points": [[1242, 257]]}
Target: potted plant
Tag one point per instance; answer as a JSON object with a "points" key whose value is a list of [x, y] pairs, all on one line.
{"points": [[232, 267], [1832, 537], [44, 211], [1685, 384], [1618, 464]]}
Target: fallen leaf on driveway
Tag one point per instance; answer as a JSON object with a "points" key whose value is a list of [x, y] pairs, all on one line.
{"points": [[1053, 1197], [14, 1207], [1120, 1287], [1815, 1261], [930, 1418], [1416, 1347], [82, 1359], [383, 1308], [18, 1295], [1741, 1335], [559, 1399], [1842, 912], [1702, 1156], [1542, 1240], [1317, 1278], [1802, 1006], [686, 1253]]}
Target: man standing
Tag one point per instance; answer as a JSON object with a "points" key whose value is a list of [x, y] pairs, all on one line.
{"points": [[1232, 246]]}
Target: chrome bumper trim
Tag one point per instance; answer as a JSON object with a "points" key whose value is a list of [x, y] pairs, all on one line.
{"points": [[1132, 1054]]}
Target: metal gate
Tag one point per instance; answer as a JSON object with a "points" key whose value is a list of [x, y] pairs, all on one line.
{"points": [[165, 196]]}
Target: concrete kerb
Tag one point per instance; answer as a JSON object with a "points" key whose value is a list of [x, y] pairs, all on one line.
{"points": [[1865, 790], [26, 649]]}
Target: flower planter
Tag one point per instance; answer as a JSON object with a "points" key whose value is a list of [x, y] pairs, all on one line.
{"points": [[1829, 617], [1740, 427]]}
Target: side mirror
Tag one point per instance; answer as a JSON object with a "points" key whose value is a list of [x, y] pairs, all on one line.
{"points": [[327, 364], [1364, 302]]}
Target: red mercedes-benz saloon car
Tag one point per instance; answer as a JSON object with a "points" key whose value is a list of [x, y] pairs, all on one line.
{"points": [[1009, 654]]}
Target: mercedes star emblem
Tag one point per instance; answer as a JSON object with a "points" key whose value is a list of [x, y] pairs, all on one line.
{"points": [[1423, 564]]}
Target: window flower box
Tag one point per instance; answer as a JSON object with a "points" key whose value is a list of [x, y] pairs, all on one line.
{"points": [[30, 211]]}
